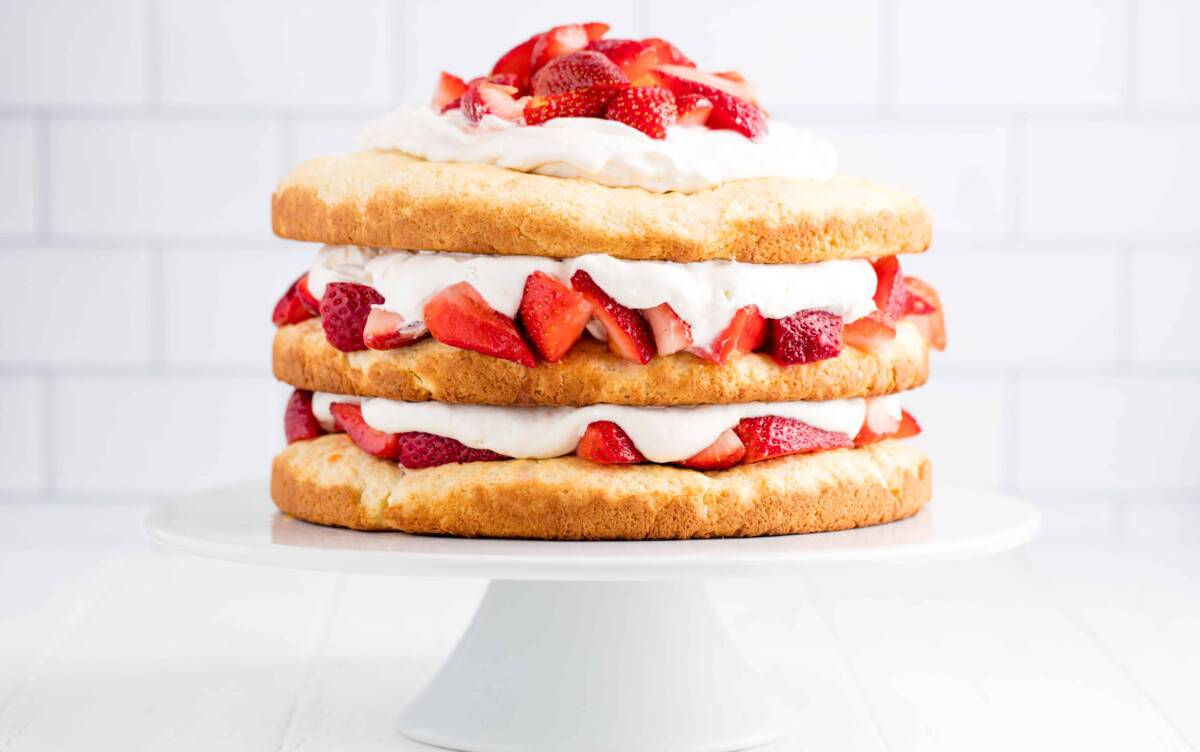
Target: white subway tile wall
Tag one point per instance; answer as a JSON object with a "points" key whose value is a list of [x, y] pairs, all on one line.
{"points": [[1056, 141]]}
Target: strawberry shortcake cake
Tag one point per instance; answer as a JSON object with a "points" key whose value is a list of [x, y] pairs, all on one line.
{"points": [[597, 293]]}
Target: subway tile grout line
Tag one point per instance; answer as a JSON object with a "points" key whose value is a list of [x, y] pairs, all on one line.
{"points": [[157, 302], [1133, 30], [152, 45], [1125, 302], [42, 173], [1016, 176], [48, 411]]}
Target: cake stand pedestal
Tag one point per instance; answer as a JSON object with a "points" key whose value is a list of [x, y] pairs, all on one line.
{"points": [[582, 646]]}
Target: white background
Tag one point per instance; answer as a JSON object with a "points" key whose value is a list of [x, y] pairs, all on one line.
{"points": [[1057, 143]]}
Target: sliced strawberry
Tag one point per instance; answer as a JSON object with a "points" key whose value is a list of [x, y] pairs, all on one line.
{"points": [[605, 442], [773, 436], [307, 299], [736, 114], [344, 312], [924, 307], [416, 450], [579, 70], [868, 333], [635, 59], [878, 424], [683, 79], [726, 451], [559, 41], [299, 423], [908, 426], [553, 315], [671, 333], [650, 109], [385, 330], [743, 88], [484, 97], [348, 418], [889, 289], [449, 89], [668, 54], [805, 337], [458, 316], [595, 30], [628, 333], [291, 309], [590, 102], [693, 109], [519, 62], [746, 332]]}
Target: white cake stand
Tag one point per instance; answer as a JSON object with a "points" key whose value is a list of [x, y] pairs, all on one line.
{"points": [[589, 646]]}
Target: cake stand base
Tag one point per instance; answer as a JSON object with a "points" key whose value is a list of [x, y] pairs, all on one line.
{"points": [[554, 666]]}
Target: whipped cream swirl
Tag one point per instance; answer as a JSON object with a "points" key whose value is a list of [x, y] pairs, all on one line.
{"points": [[689, 159]]}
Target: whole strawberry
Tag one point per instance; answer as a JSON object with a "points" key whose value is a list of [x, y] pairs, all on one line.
{"points": [[650, 109]]}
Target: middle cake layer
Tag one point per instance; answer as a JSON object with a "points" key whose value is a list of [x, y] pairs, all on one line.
{"points": [[590, 374]]}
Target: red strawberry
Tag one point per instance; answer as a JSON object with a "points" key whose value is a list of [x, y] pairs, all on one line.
{"points": [[889, 289], [559, 41], [385, 330], [449, 90], [553, 314], [595, 30], [682, 79], [908, 426], [579, 70], [298, 420], [484, 97], [650, 109], [307, 299], [349, 418], [805, 337], [693, 109], [629, 335], [671, 333], [635, 59], [742, 88], [519, 62], [773, 436], [589, 102], [878, 423], [746, 332], [924, 307], [726, 451], [668, 54], [868, 333], [459, 317], [605, 442], [291, 309], [344, 312], [416, 450], [736, 114]]}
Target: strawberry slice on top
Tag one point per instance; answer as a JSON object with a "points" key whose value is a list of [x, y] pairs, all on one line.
{"points": [[449, 92], [486, 97], [554, 315], [559, 41], [636, 59], [650, 109], [459, 316], [579, 70], [589, 102], [629, 335]]}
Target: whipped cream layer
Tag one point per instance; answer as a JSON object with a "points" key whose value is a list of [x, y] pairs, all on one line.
{"points": [[662, 434], [689, 159], [705, 294]]}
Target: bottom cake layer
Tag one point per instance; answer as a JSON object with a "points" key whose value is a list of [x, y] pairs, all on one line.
{"points": [[330, 481]]}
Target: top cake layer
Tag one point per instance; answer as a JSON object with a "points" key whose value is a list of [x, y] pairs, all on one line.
{"points": [[393, 200]]}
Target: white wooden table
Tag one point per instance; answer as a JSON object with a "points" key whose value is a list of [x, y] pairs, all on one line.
{"points": [[1088, 639]]}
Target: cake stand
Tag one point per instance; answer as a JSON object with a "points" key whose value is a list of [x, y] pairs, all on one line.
{"points": [[583, 645]]}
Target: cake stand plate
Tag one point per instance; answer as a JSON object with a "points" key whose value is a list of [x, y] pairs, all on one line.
{"points": [[589, 646]]}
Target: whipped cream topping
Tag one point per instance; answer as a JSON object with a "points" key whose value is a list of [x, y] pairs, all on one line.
{"points": [[689, 159], [705, 294], [662, 434]]}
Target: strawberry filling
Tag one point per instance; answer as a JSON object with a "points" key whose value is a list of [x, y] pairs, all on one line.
{"points": [[752, 439], [554, 314]]}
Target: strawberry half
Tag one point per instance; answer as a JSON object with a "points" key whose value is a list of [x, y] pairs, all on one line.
{"points": [[416, 450], [579, 70], [924, 307], [307, 299], [458, 316], [693, 109], [773, 436], [668, 54], [595, 30], [878, 423], [484, 97], [889, 289], [518, 62], [746, 332], [553, 315], [650, 109], [299, 423], [671, 333], [736, 114], [868, 333], [589, 102], [908, 426], [385, 330], [607, 443], [629, 335], [726, 451], [805, 337], [290, 309], [635, 59], [449, 90], [559, 41], [344, 312], [349, 418]]}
